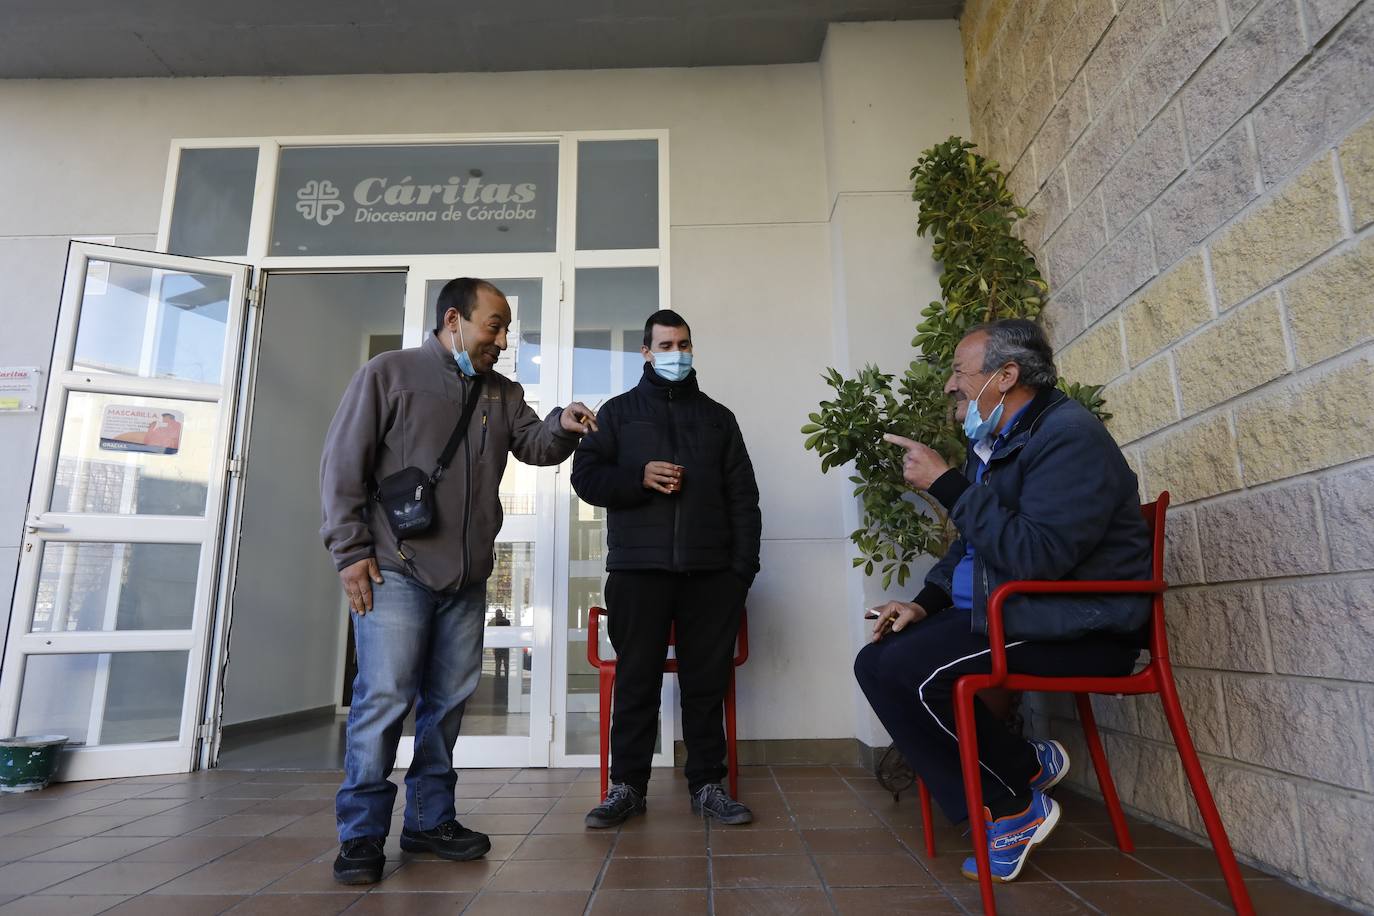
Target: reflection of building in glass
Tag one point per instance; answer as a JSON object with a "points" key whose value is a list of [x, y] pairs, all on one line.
{"points": [[613, 304], [500, 705], [105, 698], [516, 503], [183, 323], [125, 485], [95, 480], [93, 486], [104, 587], [511, 586]]}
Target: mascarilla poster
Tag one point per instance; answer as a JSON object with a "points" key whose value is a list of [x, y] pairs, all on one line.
{"points": [[127, 428]]}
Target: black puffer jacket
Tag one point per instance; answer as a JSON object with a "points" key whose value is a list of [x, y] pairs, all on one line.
{"points": [[713, 523]]}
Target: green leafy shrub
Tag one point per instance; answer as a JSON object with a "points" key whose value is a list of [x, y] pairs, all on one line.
{"points": [[987, 273]]}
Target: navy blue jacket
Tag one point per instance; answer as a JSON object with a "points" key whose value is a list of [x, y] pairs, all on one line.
{"points": [[713, 523], [1057, 502]]}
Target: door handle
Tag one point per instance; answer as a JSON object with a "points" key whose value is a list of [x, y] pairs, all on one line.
{"points": [[35, 524]]}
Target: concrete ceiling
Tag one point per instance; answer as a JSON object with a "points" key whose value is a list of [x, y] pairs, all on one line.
{"points": [[45, 39]]}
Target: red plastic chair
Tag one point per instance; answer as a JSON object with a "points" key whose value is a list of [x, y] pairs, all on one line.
{"points": [[1156, 677], [606, 675]]}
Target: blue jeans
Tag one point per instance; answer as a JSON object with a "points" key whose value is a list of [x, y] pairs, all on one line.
{"points": [[415, 646]]}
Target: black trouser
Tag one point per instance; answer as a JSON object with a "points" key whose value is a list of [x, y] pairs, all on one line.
{"points": [[703, 610], [909, 679]]}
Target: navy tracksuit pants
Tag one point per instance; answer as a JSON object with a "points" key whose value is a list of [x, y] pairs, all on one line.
{"points": [[909, 680]]}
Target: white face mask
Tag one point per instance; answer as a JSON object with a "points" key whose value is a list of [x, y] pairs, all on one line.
{"points": [[460, 353], [976, 427], [674, 365]]}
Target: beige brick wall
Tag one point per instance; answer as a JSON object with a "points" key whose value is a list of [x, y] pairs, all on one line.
{"points": [[1200, 180]]}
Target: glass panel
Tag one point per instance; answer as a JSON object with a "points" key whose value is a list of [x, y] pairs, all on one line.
{"points": [[106, 698], [152, 323], [437, 199], [617, 194], [501, 703], [116, 587], [510, 590], [608, 329], [526, 296], [214, 202], [612, 305], [125, 455]]}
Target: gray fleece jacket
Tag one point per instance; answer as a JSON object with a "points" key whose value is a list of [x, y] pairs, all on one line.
{"points": [[398, 411]]}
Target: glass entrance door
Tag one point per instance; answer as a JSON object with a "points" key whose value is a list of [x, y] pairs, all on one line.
{"points": [[109, 625], [610, 306], [507, 720]]}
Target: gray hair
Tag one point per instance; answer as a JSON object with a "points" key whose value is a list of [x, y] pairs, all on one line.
{"points": [[1020, 341]]}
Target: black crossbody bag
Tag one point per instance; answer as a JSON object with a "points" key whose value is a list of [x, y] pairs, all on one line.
{"points": [[407, 496]]}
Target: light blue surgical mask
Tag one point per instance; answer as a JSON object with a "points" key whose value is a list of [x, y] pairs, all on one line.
{"points": [[460, 355], [975, 426], [674, 365]]}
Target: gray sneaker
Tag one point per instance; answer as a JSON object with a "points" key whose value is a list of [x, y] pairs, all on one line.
{"points": [[711, 800], [622, 803]]}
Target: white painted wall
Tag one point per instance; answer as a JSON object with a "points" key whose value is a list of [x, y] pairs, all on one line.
{"points": [[288, 607], [792, 234], [882, 84]]}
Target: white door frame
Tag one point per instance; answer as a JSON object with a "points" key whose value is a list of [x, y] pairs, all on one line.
{"points": [[538, 528], [568, 259], [222, 626], [43, 527]]}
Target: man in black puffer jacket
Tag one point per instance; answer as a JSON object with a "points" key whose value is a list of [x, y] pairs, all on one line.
{"points": [[670, 466]]}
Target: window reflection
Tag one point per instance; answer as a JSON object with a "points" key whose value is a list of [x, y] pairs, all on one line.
{"points": [[617, 194], [152, 323], [612, 305], [105, 698], [116, 586], [96, 475]]}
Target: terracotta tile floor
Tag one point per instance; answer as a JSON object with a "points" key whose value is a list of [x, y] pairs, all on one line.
{"points": [[826, 840]]}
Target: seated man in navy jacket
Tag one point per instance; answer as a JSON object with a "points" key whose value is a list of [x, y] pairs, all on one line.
{"points": [[1045, 494]]}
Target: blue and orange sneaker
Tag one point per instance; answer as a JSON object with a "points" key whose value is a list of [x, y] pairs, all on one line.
{"points": [[1054, 765], [1011, 838]]}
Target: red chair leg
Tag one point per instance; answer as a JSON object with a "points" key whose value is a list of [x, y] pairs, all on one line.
{"points": [[1207, 807], [1104, 773], [964, 697], [606, 685], [731, 751], [927, 822]]}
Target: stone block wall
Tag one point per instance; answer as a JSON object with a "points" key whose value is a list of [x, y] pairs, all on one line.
{"points": [[1200, 179]]}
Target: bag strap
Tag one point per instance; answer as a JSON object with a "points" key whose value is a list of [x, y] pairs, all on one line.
{"points": [[456, 437]]}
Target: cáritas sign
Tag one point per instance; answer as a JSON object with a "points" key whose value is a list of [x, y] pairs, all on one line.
{"points": [[441, 199]]}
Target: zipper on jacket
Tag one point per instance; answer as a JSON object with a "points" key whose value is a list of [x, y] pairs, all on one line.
{"points": [[677, 501], [483, 450], [983, 569], [467, 501], [980, 568]]}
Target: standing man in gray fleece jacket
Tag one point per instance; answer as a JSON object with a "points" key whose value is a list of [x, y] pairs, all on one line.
{"points": [[419, 607]]}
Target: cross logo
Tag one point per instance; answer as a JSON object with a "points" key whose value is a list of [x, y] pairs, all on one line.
{"points": [[319, 200]]}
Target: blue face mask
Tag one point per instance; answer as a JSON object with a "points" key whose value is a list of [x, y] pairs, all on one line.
{"points": [[673, 366], [975, 426], [461, 357]]}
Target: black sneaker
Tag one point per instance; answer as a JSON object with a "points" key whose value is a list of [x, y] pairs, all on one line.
{"points": [[450, 840], [622, 803], [360, 861], [711, 800]]}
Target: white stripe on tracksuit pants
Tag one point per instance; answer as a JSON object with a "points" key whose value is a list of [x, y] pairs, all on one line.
{"points": [[909, 680]]}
